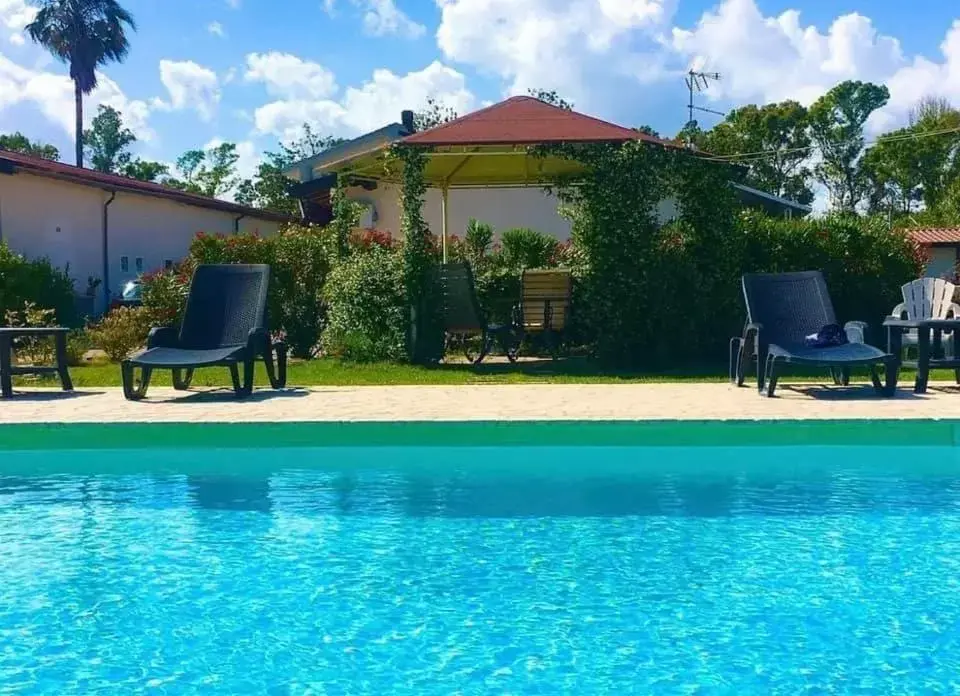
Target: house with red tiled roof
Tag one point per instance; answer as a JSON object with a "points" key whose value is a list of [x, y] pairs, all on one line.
{"points": [[107, 227], [942, 245], [478, 168]]}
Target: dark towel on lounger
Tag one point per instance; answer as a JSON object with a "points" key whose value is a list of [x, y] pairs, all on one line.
{"points": [[829, 335]]}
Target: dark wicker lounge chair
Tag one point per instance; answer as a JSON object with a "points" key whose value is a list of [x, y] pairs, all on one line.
{"points": [[224, 325], [464, 319], [782, 310]]}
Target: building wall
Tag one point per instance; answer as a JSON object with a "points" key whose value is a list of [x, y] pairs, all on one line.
{"points": [[502, 208], [64, 221], [942, 263]]}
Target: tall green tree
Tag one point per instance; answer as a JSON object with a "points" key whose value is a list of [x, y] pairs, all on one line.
{"points": [[145, 170], [107, 142], [269, 188], [211, 172], [84, 34], [836, 125], [18, 142], [913, 167], [779, 132]]}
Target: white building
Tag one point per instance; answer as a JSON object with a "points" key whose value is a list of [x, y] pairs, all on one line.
{"points": [[108, 227]]}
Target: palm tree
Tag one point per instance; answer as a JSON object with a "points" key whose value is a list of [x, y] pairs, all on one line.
{"points": [[84, 34]]}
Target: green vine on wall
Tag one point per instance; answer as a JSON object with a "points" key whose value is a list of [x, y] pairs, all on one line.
{"points": [[419, 256], [346, 216]]}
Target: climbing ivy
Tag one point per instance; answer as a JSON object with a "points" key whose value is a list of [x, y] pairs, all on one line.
{"points": [[641, 279], [419, 253], [346, 216]]}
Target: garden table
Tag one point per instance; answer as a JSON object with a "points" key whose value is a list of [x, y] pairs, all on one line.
{"points": [[929, 342], [8, 370]]}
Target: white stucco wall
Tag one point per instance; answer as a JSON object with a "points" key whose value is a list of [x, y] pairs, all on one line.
{"points": [[502, 208], [64, 221], [942, 263]]}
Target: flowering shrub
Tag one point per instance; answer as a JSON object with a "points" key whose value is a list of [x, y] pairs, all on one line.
{"points": [[365, 239]]}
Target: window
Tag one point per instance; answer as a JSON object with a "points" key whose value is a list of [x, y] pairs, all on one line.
{"points": [[125, 263], [139, 264]]}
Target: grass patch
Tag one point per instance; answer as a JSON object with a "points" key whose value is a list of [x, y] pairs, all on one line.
{"points": [[329, 372]]}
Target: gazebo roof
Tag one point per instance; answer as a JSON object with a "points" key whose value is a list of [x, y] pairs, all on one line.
{"points": [[524, 121], [485, 148]]}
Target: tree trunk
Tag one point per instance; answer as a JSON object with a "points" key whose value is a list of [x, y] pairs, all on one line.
{"points": [[78, 96]]}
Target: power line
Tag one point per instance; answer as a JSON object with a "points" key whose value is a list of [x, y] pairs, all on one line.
{"points": [[762, 154]]}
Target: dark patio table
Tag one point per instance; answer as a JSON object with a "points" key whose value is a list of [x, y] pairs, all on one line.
{"points": [[929, 344], [8, 370]]}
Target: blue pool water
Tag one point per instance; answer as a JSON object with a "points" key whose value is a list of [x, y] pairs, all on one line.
{"points": [[480, 571]]}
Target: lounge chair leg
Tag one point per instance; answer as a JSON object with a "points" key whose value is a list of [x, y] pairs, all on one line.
{"points": [[133, 390], [736, 355], [772, 376], [844, 376], [248, 367], [182, 379], [893, 374], [276, 372], [956, 375], [235, 377]]}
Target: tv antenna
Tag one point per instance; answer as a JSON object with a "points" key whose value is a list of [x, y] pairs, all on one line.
{"points": [[698, 82]]}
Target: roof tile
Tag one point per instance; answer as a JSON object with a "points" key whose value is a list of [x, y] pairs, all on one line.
{"points": [[936, 235], [90, 177], [525, 121]]}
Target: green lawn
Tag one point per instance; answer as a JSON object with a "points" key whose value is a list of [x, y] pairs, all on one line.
{"points": [[328, 372]]}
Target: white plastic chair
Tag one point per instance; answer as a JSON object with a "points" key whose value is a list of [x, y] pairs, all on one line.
{"points": [[928, 298]]}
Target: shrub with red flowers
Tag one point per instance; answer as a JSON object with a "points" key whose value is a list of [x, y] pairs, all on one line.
{"points": [[365, 239]]}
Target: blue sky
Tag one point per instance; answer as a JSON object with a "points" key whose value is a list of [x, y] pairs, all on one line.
{"points": [[250, 71]]}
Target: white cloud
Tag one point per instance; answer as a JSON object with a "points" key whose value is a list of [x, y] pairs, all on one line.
{"points": [[15, 15], [190, 86], [383, 17], [372, 105], [285, 75], [52, 94], [572, 46], [233, 4], [764, 59], [776, 58], [216, 29]]}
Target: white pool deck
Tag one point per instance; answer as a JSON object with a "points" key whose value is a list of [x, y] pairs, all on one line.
{"points": [[482, 402]]}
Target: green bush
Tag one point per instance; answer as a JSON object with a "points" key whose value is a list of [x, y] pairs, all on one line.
{"points": [[122, 331], [32, 350], [525, 248], [37, 282], [367, 308]]}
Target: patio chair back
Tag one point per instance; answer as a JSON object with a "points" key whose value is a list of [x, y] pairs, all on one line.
{"points": [[545, 299], [226, 302], [927, 298], [461, 308], [789, 306]]}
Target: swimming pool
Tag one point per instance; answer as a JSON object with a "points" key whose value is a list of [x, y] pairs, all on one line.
{"points": [[473, 558]]}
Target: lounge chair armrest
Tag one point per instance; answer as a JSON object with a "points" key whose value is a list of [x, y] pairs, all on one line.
{"points": [[900, 311], [856, 331], [162, 337], [258, 340], [953, 310], [751, 330]]}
